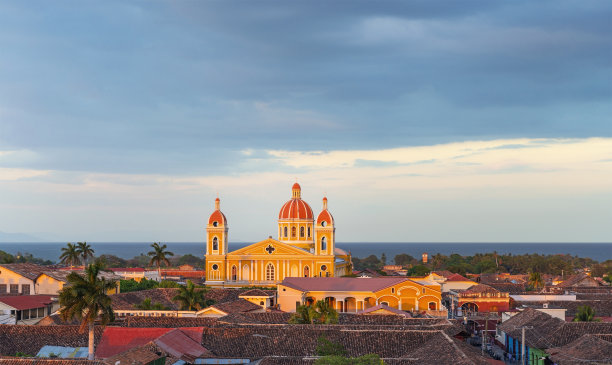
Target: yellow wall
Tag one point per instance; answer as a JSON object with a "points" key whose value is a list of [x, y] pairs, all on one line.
{"points": [[405, 296], [8, 277]]}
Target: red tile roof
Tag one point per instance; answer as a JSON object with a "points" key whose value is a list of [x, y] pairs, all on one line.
{"points": [[457, 277], [343, 284], [22, 302], [386, 308], [127, 269], [178, 344]]}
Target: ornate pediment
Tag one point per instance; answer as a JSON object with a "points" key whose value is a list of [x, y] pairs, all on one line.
{"points": [[270, 247]]}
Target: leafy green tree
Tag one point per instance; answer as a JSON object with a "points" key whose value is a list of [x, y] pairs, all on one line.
{"points": [[191, 298], [403, 259], [327, 348], [133, 285], [113, 261], [383, 259], [535, 280], [418, 270], [585, 314], [86, 299], [304, 314], [70, 255], [190, 259], [85, 251], [486, 266], [147, 305], [159, 256], [327, 314]]}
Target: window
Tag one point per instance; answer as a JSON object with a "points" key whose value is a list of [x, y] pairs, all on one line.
{"points": [[323, 224], [323, 243], [215, 267], [261, 302], [323, 267], [14, 289], [432, 306], [25, 289], [309, 231], [270, 272], [306, 271], [25, 314], [234, 273], [293, 231], [215, 244], [301, 231], [2, 288], [424, 290], [285, 232], [215, 224], [392, 290]]}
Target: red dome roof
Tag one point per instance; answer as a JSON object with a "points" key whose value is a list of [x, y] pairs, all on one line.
{"points": [[326, 216], [217, 216], [295, 209], [296, 186]]}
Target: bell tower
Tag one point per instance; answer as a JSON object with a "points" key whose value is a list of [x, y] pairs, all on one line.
{"points": [[216, 244], [325, 232]]}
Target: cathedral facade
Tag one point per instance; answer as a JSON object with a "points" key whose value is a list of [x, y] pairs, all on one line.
{"points": [[305, 248]]}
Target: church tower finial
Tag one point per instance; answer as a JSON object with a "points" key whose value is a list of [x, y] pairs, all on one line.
{"points": [[217, 203], [296, 191], [324, 203]]}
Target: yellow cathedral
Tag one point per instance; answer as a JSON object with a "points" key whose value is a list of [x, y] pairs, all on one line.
{"points": [[305, 248]]}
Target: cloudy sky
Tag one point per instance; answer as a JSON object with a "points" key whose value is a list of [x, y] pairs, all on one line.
{"points": [[420, 120]]}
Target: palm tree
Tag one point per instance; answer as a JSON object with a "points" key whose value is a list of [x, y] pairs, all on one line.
{"points": [[535, 280], [321, 312], [584, 314], [70, 255], [158, 256], [191, 298], [85, 251], [86, 299]]}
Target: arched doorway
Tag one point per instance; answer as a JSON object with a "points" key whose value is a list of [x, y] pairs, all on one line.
{"points": [[234, 273], [294, 271], [306, 271], [467, 308], [246, 273]]}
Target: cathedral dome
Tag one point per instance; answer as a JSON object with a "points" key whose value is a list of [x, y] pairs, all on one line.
{"points": [[217, 216], [296, 208]]}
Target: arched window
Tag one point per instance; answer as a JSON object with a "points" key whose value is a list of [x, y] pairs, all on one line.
{"points": [[306, 271], [234, 273], [285, 232], [308, 231], [293, 231], [432, 306], [270, 272], [323, 243], [323, 224], [301, 231], [215, 224], [215, 244]]}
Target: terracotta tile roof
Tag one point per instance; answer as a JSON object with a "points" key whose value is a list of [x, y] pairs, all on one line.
{"points": [[588, 348], [576, 280], [30, 271], [38, 361], [167, 322], [21, 302], [55, 320], [116, 340], [385, 308], [511, 288], [126, 269], [301, 341], [444, 273], [342, 284], [480, 289], [255, 293], [125, 301], [30, 339], [180, 345], [548, 331], [139, 355], [237, 306], [456, 277], [601, 307]]}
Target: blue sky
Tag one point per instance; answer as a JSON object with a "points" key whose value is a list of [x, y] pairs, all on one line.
{"points": [[440, 121]]}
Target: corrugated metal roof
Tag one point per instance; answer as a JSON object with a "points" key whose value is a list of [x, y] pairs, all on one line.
{"points": [[63, 352]]}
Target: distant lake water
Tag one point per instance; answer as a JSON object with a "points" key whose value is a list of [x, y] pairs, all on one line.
{"points": [[127, 250]]}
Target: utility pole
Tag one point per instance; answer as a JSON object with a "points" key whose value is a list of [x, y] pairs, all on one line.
{"points": [[523, 360], [484, 334]]}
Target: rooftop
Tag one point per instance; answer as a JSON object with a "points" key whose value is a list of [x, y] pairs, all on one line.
{"points": [[343, 284]]}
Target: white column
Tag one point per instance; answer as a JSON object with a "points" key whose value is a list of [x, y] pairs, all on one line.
{"points": [[277, 270]]}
